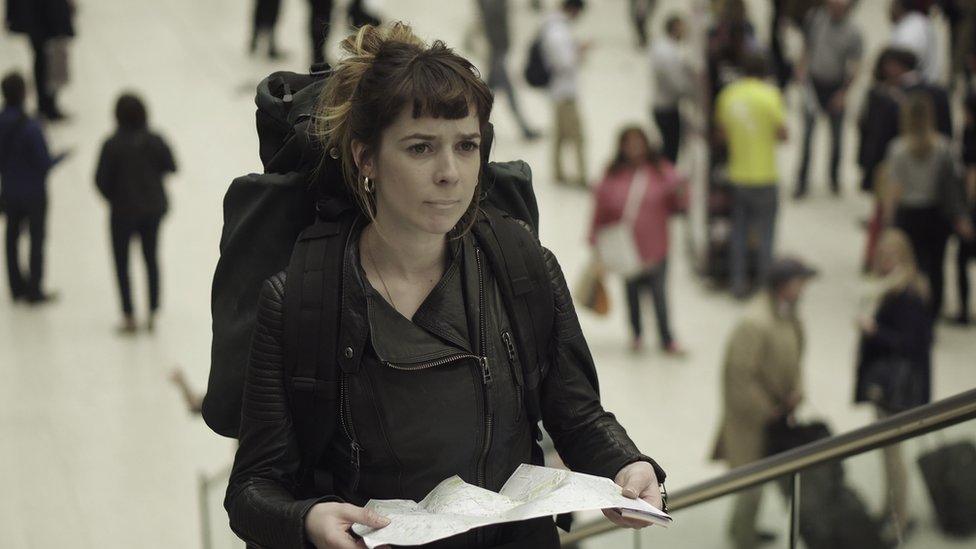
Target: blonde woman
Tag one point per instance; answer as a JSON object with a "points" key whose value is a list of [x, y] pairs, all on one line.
{"points": [[925, 197], [894, 366]]}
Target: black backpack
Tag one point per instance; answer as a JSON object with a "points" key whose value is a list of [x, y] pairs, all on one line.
{"points": [[296, 216], [537, 72]]}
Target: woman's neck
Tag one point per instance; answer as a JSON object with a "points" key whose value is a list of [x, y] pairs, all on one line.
{"points": [[403, 253]]}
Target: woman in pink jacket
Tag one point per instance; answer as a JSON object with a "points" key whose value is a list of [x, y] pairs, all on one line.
{"points": [[663, 196]]}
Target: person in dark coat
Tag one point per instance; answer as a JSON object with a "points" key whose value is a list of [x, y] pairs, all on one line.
{"points": [[24, 165], [966, 250], [42, 21], [894, 362], [130, 174]]}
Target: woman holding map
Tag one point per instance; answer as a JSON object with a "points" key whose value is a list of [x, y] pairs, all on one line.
{"points": [[456, 336]]}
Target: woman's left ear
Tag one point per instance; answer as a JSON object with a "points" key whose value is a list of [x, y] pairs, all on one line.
{"points": [[362, 158]]}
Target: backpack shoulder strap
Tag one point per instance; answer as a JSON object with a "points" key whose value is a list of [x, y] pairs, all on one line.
{"points": [[311, 312], [520, 268]]}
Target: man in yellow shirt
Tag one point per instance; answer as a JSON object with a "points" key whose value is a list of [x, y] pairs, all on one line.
{"points": [[749, 115]]}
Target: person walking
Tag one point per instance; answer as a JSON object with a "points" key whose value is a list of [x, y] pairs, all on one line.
{"points": [[830, 61], [673, 79], [563, 55], [894, 361], [24, 166], [43, 21], [494, 18], [924, 194], [750, 118], [640, 176], [761, 384], [129, 176], [640, 12]]}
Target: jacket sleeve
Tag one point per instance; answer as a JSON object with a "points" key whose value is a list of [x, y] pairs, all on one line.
{"points": [[167, 163], [743, 389], [588, 438], [260, 500]]}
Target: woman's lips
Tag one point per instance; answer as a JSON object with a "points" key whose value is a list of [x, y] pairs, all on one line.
{"points": [[442, 204]]}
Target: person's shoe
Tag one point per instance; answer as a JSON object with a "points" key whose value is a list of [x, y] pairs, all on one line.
{"points": [[763, 537], [962, 319], [128, 326], [636, 345], [799, 194], [675, 349], [529, 134], [54, 115], [42, 298]]}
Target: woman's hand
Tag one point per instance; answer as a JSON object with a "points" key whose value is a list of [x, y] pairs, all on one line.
{"points": [[637, 480], [867, 325], [327, 525]]}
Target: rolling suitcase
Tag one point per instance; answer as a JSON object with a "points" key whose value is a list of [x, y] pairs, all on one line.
{"points": [[950, 476]]}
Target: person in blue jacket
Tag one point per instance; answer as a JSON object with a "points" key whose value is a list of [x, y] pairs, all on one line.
{"points": [[24, 165]]}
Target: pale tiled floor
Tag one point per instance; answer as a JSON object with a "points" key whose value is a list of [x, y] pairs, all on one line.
{"points": [[98, 449]]}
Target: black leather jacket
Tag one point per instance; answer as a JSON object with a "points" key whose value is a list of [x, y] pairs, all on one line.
{"points": [[416, 420]]}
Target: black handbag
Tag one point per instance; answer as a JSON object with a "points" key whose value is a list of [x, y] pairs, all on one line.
{"points": [[890, 384]]}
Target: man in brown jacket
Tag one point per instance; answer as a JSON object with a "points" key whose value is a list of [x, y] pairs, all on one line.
{"points": [[761, 383]]}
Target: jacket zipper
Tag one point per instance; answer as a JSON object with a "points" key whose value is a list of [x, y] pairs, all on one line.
{"points": [[513, 365], [485, 373], [346, 424]]}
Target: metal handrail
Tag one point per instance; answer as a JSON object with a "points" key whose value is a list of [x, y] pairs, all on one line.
{"points": [[912, 423]]}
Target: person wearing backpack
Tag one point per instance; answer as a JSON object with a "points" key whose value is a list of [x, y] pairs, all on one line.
{"points": [[131, 168], [24, 165], [563, 55], [417, 324]]}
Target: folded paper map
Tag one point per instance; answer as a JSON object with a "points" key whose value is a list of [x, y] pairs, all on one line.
{"points": [[455, 506]]}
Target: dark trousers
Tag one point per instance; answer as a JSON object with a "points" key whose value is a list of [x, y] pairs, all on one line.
{"points": [[266, 15], [122, 232], [929, 233], [46, 100], [35, 216], [319, 22], [669, 124], [640, 12], [653, 279], [965, 253], [824, 92], [753, 208]]}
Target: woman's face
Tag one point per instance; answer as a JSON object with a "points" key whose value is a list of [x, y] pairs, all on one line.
{"points": [[425, 172], [635, 148]]}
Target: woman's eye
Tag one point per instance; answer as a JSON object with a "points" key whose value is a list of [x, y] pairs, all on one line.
{"points": [[468, 146], [419, 148]]}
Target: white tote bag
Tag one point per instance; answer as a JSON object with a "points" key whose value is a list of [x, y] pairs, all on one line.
{"points": [[615, 243]]}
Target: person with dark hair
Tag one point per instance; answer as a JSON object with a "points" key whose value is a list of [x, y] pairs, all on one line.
{"points": [[494, 18], [750, 118], [924, 194], [641, 177], [564, 55], [264, 21], [405, 122], [830, 61], [43, 22], [24, 166], [674, 79], [129, 176], [762, 383]]}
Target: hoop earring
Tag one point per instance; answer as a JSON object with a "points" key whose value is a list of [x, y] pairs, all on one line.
{"points": [[368, 185]]}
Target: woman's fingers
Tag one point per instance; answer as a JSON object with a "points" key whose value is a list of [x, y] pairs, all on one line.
{"points": [[616, 518], [362, 515]]}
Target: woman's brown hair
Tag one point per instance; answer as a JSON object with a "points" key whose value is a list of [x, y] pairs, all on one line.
{"points": [[387, 69], [918, 124], [619, 161]]}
